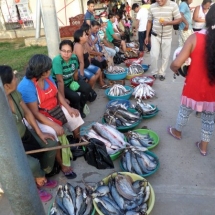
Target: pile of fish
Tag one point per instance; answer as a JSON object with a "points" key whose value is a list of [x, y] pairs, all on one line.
{"points": [[135, 69], [115, 70], [123, 196], [118, 116], [142, 80], [112, 138], [145, 108], [71, 201], [139, 140], [118, 90], [135, 160], [143, 91]]}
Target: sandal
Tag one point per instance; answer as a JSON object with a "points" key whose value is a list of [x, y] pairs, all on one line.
{"points": [[44, 195], [50, 183], [105, 86], [201, 152], [169, 130], [70, 175]]}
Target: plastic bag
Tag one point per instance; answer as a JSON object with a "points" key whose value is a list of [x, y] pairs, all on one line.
{"points": [[86, 110], [97, 156]]}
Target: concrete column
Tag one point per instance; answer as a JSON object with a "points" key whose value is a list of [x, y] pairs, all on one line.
{"points": [[16, 177], [50, 26], [38, 20]]}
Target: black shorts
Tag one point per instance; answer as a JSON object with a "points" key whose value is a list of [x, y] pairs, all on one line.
{"points": [[116, 43]]}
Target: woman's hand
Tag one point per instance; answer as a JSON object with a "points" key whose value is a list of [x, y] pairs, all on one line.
{"points": [[45, 136], [73, 111], [58, 129]]}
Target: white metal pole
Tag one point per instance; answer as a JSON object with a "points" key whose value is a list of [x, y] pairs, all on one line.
{"points": [[50, 26], [38, 20]]}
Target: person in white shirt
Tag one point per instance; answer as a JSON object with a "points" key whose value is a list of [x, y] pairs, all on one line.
{"points": [[141, 22]]}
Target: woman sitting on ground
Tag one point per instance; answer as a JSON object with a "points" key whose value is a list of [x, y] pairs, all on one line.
{"points": [[32, 139], [40, 93], [65, 73], [86, 70]]}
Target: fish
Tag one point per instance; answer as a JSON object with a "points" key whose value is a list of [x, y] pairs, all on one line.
{"points": [[69, 188], [68, 204], [143, 91], [89, 207], [124, 187], [135, 165], [79, 199], [59, 199], [118, 90], [101, 191]]}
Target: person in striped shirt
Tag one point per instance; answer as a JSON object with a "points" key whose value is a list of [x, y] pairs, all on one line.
{"points": [[161, 15]]}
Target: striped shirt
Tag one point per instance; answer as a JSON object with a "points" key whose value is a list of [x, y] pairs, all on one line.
{"points": [[66, 69], [168, 11]]}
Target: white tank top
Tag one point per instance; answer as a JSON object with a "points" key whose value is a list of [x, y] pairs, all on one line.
{"points": [[201, 15]]}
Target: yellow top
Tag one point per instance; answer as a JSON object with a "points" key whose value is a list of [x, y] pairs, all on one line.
{"points": [[147, 6]]}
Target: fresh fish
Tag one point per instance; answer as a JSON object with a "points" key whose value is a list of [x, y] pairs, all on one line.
{"points": [[147, 191], [135, 164], [118, 199], [118, 90], [59, 199], [68, 204], [128, 160], [89, 207], [69, 188], [79, 199], [142, 164], [143, 91], [103, 209], [101, 191], [55, 210], [124, 187]]}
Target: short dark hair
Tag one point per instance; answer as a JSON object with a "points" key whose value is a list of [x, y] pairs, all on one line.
{"points": [[66, 42], [111, 15], [77, 35], [134, 6], [94, 23], [37, 66], [85, 27], [90, 2], [6, 74], [206, 1]]}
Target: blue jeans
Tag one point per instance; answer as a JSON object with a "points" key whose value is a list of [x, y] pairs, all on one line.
{"points": [[90, 71], [142, 37]]}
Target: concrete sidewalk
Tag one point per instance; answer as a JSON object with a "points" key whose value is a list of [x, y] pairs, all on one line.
{"points": [[184, 184]]}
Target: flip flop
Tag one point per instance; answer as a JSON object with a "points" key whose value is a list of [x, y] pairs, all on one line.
{"points": [[201, 152], [104, 86], [70, 175], [169, 130]]}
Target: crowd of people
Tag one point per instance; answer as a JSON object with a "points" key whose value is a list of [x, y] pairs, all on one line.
{"points": [[64, 84]]}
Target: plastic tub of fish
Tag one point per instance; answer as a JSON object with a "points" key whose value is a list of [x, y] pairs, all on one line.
{"points": [[135, 81], [152, 134], [115, 102], [136, 168], [134, 182], [128, 62], [147, 113], [126, 96], [116, 76]]}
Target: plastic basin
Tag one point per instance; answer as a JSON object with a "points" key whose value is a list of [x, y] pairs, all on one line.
{"points": [[145, 67], [148, 116], [116, 77], [136, 84], [126, 97], [146, 174], [128, 62], [125, 128], [152, 134], [135, 177]]}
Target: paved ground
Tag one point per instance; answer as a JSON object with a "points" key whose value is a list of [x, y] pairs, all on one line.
{"points": [[184, 184]]}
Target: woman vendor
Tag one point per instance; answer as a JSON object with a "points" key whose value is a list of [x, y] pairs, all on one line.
{"points": [[48, 106], [32, 139], [65, 73]]}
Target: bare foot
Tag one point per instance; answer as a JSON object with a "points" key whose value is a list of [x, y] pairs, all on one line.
{"points": [[40, 181]]}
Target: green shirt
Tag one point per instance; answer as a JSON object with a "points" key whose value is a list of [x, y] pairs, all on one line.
{"points": [[19, 113], [109, 31], [66, 69]]}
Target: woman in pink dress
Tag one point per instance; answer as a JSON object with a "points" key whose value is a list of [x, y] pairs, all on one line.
{"points": [[199, 89]]}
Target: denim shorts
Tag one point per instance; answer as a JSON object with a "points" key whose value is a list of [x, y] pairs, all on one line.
{"points": [[90, 71]]}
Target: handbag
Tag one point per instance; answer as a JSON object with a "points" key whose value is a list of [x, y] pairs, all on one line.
{"points": [[92, 95], [96, 155], [57, 113]]}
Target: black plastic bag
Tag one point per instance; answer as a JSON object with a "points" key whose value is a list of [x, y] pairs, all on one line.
{"points": [[97, 156], [92, 96]]}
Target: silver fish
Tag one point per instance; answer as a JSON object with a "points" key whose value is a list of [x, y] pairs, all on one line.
{"points": [[69, 188], [89, 207], [79, 199], [68, 204]]}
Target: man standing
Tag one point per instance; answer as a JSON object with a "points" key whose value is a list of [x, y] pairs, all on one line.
{"points": [[185, 27], [141, 22], [112, 36], [89, 14], [161, 13]]}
